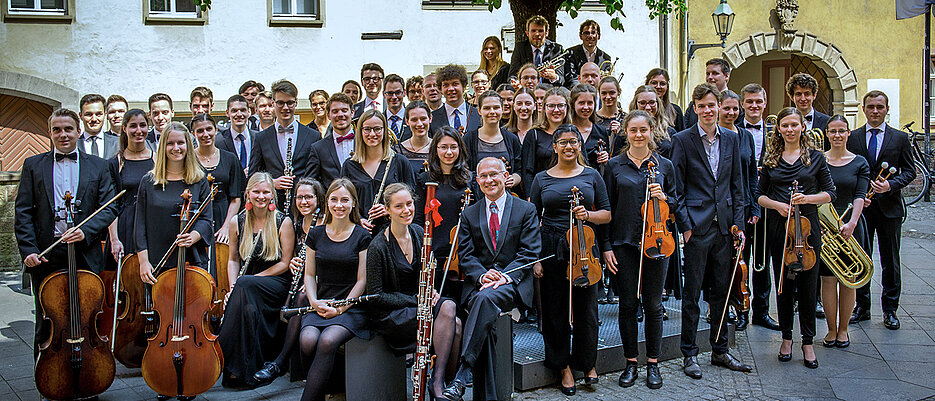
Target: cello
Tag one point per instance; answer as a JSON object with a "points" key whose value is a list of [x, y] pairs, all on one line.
{"points": [[136, 322], [797, 256], [583, 268], [183, 359], [75, 361]]}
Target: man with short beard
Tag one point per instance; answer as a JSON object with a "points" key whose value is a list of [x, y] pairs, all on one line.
{"points": [[328, 155], [371, 77], [587, 52], [238, 138], [455, 112], [433, 97], [538, 50]]}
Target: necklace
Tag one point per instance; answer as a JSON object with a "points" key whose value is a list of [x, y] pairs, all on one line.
{"points": [[641, 159], [414, 150]]}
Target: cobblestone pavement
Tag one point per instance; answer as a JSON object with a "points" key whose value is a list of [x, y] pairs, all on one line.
{"points": [[880, 364]]}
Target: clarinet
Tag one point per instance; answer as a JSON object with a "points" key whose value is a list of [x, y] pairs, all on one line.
{"points": [[286, 313], [422, 359], [288, 171], [249, 258], [296, 278]]}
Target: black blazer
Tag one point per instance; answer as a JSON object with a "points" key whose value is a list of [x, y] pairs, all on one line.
{"points": [[820, 121], [34, 223], [265, 155], [225, 141], [359, 108], [576, 58], [518, 245], [324, 165], [522, 54], [440, 119], [692, 119], [702, 196], [748, 171], [896, 151]]}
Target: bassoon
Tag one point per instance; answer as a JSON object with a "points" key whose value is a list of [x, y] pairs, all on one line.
{"points": [[422, 359]]}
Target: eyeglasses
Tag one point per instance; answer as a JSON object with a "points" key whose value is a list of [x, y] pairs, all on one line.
{"points": [[319, 104], [290, 104], [308, 198], [566, 142], [590, 33], [396, 93], [372, 79], [480, 82], [643, 103], [556, 106], [446, 148], [838, 132], [486, 176], [375, 130]]}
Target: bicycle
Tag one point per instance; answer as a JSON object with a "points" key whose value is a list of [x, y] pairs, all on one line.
{"points": [[917, 189]]}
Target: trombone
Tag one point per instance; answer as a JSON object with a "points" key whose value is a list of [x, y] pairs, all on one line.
{"points": [[607, 68]]}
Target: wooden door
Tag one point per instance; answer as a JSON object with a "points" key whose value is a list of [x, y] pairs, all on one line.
{"points": [[23, 130]]}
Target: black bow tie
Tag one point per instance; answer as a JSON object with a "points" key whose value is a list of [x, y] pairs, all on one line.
{"points": [[808, 117], [748, 125], [73, 155]]}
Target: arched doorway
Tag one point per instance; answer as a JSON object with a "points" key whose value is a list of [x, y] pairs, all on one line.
{"points": [[760, 58], [26, 102]]}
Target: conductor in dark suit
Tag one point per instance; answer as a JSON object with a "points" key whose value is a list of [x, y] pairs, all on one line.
{"points": [[587, 51], [537, 49], [238, 138], [498, 233], [328, 154], [878, 142], [455, 112], [45, 179], [271, 147], [710, 199]]}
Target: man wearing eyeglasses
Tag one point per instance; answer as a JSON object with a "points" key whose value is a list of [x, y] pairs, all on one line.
{"points": [[586, 52], [272, 146], [395, 112], [371, 77]]}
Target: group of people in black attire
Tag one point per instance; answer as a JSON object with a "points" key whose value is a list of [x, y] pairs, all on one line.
{"points": [[354, 182]]}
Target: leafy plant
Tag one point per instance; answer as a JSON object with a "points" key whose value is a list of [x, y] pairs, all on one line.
{"points": [[204, 5]]}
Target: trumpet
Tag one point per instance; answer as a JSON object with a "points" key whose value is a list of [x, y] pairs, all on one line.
{"points": [[845, 258], [553, 63], [607, 68]]}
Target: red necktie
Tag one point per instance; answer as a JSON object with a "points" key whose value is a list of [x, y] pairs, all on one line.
{"points": [[494, 224]]}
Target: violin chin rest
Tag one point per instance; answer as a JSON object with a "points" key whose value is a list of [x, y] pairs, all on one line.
{"points": [[581, 281]]}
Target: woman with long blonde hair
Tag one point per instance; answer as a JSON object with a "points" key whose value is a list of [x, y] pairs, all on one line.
{"points": [[491, 61], [262, 241]]}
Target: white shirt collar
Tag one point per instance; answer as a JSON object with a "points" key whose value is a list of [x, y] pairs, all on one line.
{"points": [[759, 123], [450, 110], [379, 100], [294, 125], [881, 127], [401, 114], [234, 132], [501, 203]]}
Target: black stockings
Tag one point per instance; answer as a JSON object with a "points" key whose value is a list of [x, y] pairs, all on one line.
{"points": [[446, 339], [292, 332], [320, 347]]}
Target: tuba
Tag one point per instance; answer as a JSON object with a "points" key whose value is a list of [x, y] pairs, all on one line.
{"points": [[846, 258]]}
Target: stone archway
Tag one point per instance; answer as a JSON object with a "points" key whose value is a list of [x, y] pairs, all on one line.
{"points": [[38, 89], [841, 77], [25, 105]]}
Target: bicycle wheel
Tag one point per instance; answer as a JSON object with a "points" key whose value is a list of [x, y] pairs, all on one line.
{"points": [[916, 189]]}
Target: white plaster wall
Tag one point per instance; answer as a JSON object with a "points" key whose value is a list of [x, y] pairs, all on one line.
{"points": [[109, 50]]}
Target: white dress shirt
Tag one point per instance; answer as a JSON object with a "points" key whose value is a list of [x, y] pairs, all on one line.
{"points": [[87, 140], [882, 129], [65, 175], [758, 134], [247, 142], [501, 203], [369, 103], [809, 121], [284, 139], [462, 114], [343, 149]]}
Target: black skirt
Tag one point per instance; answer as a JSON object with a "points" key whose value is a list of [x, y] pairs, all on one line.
{"points": [[251, 332], [354, 320]]}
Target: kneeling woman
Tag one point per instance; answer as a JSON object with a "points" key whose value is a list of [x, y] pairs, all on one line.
{"points": [[251, 331], [394, 261], [335, 261]]}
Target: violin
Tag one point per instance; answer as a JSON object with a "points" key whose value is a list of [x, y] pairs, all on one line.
{"points": [[508, 170], [798, 255], [184, 358], [601, 147], [136, 321], [584, 268], [658, 241], [75, 360], [451, 264], [741, 290]]}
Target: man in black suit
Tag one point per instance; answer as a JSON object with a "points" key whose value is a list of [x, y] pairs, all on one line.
{"points": [[586, 52], [709, 190], [161, 112], [498, 233], [238, 138], [395, 111], [453, 79], [329, 154], [114, 109], [45, 179], [371, 77], [249, 90], [802, 89], [271, 147], [537, 49], [717, 73], [878, 142], [94, 141]]}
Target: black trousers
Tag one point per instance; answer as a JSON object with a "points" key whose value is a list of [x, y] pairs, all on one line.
{"points": [[654, 276], [760, 281], [566, 344], [802, 288], [479, 336], [889, 236], [707, 265]]}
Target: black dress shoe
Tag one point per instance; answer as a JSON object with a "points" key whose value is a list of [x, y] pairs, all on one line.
{"points": [[819, 310], [629, 375], [568, 390], [532, 316], [728, 361], [842, 344], [160, 397], [590, 381], [766, 321], [811, 364], [266, 375], [828, 344], [890, 320], [860, 314], [454, 391], [653, 377], [691, 367], [639, 313], [742, 321]]}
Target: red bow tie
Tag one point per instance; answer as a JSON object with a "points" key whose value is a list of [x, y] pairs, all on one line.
{"points": [[345, 137]]}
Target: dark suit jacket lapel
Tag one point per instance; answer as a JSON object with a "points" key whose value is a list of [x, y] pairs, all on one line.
{"points": [[84, 173], [485, 227], [274, 143], [45, 168], [860, 135], [695, 135], [723, 152], [303, 140], [889, 135], [329, 139], [504, 221]]}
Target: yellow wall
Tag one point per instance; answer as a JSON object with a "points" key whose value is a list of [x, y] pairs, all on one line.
{"points": [[866, 32]]}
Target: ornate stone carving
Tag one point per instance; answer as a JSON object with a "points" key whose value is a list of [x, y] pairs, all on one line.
{"points": [[786, 11]]}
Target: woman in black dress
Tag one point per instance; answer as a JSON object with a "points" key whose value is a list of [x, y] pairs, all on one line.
{"points": [[251, 331], [335, 268], [132, 162], [308, 196], [491, 62], [491, 140], [792, 157], [610, 115], [583, 103], [537, 147], [524, 114], [224, 167], [448, 168], [625, 176], [175, 169], [394, 263], [550, 192], [851, 176], [373, 166], [416, 147], [658, 78], [645, 98]]}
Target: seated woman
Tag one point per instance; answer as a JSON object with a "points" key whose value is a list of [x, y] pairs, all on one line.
{"points": [[335, 263], [394, 261], [261, 240]]}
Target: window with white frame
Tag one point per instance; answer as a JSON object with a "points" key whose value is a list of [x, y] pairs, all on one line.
{"points": [[173, 8], [295, 12], [42, 7]]}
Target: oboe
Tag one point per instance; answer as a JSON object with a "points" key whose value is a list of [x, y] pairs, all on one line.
{"points": [[288, 171], [422, 359]]}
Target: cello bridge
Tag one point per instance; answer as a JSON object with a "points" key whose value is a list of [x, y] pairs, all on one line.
{"points": [[78, 340], [179, 338]]}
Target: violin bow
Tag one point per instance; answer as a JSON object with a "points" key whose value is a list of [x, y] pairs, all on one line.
{"points": [[86, 219], [730, 287], [188, 227]]}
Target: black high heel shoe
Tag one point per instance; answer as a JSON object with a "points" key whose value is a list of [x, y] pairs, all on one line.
{"points": [[811, 364], [784, 357], [828, 344]]}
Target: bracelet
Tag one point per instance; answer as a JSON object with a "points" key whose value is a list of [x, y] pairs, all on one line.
{"points": [[587, 216]]}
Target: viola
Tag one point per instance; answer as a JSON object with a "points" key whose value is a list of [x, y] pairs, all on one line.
{"points": [[798, 255], [184, 358], [451, 264], [508, 170], [220, 270], [741, 290], [584, 268], [135, 322], [75, 360], [658, 241]]}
